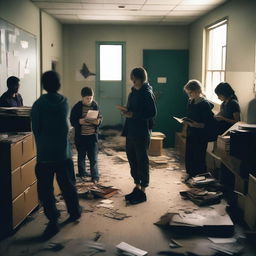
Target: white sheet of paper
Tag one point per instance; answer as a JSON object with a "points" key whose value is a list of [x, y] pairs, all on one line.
{"points": [[178, 119], [131, 249], [92, 114]]}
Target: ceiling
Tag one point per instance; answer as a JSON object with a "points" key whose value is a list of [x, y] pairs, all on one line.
{"points": [[153, 12]]}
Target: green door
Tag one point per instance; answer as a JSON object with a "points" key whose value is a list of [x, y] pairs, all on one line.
{"points": [[167, 73], [110, 77]]}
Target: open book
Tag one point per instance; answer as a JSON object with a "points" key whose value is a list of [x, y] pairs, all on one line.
{"points": [[92, 114], [181, 120]]}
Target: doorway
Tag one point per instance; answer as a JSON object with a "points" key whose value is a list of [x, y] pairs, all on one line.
{"points": [[110, 80], [167, 73]]}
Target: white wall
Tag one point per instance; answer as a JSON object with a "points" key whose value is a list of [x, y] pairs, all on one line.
{"points": [[25, 15], [80, 42], [241, 42], [52, 42]]}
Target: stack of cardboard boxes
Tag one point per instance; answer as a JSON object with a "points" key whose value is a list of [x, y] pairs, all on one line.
{"points": [[18, 186]]}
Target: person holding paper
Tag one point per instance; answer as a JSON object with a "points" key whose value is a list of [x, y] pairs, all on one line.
{"points": [[11, 98], [86, 119], [199, 111], [139, 113]]}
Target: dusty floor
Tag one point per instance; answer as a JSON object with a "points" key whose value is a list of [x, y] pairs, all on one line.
{"points": [[137, 230]]}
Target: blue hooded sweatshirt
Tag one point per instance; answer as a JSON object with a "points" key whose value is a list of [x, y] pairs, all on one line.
{"points": [[50, 127]]}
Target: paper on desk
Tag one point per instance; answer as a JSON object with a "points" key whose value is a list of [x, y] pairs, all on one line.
{"points": [[92, 114], [131, 249]]}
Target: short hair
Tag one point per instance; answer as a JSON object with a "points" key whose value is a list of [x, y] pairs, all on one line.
{"points": [[86, 91], [225, 90], [51, 81], [140, 73], [193, 85], [12, 81]]}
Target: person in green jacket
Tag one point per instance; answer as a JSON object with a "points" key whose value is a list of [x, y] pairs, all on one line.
{"points": [[50, 127]]}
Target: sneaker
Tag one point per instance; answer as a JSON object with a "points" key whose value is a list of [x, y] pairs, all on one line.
{"points": [[138, 198], [51, 230], [135, 191]]}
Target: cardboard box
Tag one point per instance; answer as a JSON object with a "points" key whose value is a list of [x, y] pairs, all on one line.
{"points": [[241, 185], [17, 187], [250, 212], [252, 187], [156, 146], [28, 173], [31, 198], [18, 210]]}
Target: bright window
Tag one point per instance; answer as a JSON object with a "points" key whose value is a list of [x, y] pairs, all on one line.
{"points": [[215, 63], [111, 62]]}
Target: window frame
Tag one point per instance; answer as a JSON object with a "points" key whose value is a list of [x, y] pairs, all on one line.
{"points": [[222, 71]]}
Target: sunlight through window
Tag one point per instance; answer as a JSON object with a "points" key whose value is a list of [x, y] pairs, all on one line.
{"points": [[111, 62], [216, 40]]}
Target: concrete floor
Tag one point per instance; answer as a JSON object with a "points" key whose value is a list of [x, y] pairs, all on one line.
{"points": [[137, 230]]}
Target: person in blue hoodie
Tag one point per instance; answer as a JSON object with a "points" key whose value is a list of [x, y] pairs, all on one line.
{"points": [[199, 121], [50, 127], [139, 113]]}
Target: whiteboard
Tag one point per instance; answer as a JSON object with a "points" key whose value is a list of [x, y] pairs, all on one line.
{"points": [[18, 57]]}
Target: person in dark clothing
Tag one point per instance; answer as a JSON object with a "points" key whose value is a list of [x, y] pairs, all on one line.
{"points": [[50, 128], [86, 133], [229, 110], [11, 98], [200, 118], [139, 113]]}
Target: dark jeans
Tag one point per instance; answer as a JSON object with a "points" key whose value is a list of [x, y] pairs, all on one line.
{"points": [[137, 154], [195, 162], [45, 174], [88, 146]]}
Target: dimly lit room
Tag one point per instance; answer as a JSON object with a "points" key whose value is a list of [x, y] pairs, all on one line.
{"points": [[127, 127]]}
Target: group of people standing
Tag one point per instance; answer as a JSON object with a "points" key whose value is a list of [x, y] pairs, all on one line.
{"points": [[50, 127], [203, 126]]}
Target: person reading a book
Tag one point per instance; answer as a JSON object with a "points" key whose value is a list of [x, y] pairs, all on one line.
{"points": [[139, 113], [199, 112], [86, 119], [229, 109], [11, 98]]}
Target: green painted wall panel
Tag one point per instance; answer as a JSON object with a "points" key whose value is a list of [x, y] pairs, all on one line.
{"points": [[171, 99]]}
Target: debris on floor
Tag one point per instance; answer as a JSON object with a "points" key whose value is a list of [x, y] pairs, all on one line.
{"points": [[174, 244], [114, 214], [95, 191], [202, 197], [98, 235], [127, 248], [206, 221]]}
